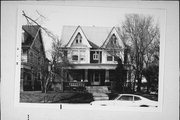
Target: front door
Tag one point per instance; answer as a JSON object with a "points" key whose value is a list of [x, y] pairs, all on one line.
{"points": [[96, 77]]}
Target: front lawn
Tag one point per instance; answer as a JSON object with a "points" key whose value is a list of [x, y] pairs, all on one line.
{"points": [[55, 97]]}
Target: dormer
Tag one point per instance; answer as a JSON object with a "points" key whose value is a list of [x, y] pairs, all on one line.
{"points": [[78, 39], [113, 40], [114, 46]]}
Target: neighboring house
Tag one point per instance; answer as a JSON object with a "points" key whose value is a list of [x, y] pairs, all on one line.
{"points": [[32, 57], [92, 52]]}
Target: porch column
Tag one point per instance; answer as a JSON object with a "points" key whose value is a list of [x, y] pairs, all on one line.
{"points": [[32, 79], [86, 75], [106, 76], [62, 80]]}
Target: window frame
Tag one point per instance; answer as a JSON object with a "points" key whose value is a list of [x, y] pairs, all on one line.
{"points": [[111, 58], [78, 41], [75, 56], [96, 55]]}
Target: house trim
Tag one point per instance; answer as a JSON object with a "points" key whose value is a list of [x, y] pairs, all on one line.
{"points": [[109, 35], [71, 39]]}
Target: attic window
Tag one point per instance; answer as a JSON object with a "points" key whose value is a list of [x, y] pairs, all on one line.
{"points": [[113, 39], [78, 38]]}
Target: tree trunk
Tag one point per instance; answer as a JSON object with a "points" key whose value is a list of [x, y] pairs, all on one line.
{"points": [[134, 83], [139, 84]]}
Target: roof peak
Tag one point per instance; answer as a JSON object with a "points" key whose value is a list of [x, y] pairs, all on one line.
{"points": [[95, 34]]}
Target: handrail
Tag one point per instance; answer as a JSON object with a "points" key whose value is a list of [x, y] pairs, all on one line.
{"points": [[75, 84]]}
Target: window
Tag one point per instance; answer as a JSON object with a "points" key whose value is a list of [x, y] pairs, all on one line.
{"points": [[113, 39], [126, 98], [136, 98], [96, 56], [78, 38], [116, 58], [75, 57], [39, 76], [109, 58], [74, 54]]}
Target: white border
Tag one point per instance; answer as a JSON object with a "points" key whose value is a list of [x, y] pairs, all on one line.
{"points": [[84, 107]]}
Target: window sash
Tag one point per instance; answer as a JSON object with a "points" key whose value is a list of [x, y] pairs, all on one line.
{"points": [[75, 57], [109, 58], [95, 56]]}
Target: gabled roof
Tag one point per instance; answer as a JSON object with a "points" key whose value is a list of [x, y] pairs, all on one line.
{"points": [[93, 45], [31, 31], [78, 30], [120, 42], [95, 35]]}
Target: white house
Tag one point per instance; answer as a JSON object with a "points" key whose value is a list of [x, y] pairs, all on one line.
{"points": [[92, 51]]}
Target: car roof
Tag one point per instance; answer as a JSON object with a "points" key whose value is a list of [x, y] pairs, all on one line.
{"points": [[131, 95]]}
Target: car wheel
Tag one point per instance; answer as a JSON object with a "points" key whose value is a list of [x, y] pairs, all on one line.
{"points": [[144, 106]]}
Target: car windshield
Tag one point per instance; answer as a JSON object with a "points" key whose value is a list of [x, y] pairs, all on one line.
{"points": [[126, 98]]}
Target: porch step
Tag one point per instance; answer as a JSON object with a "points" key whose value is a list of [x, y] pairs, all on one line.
{"points": [[97, 89]]}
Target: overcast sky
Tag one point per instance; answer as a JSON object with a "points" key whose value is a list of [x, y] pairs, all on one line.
{"points": [[57, 16]]}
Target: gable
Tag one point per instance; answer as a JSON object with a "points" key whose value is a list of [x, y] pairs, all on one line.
{"points": [[78, 39], [113, 40], [38, 43], [96, 35], [29, 33]]}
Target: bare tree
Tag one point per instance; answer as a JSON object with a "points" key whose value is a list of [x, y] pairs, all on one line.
{"points": [[117, 51], [59, 60], [142, 36]]}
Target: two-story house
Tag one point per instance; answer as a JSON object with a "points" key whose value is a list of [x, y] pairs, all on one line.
{"points": [[32, 57], [93, 51]]}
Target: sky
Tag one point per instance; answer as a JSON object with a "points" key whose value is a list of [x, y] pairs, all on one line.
{"points": [[54, 17]]}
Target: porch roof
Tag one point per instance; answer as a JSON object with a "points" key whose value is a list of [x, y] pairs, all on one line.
{"points": [[94, 66]]}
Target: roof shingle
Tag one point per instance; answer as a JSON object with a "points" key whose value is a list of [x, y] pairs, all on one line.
{"points": [[95, 35], [29, 35]]}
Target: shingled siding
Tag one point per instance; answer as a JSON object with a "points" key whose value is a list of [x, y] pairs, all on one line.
{"points": [[33, 56]]}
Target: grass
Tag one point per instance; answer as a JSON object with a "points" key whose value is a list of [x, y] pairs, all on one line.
{"points": [[65, 97], [55, 97]]}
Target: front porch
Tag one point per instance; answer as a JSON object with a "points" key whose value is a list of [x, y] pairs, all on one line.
{"points": [[91, 77], [91, 80]]}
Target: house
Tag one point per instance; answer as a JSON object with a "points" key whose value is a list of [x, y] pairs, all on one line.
{"points": [[32, 57], [93, 51]]}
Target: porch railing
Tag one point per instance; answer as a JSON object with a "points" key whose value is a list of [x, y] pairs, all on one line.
{"points": [[71, 85]]}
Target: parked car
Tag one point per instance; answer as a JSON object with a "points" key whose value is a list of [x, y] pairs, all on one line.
{"points": [[127, 100]]}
